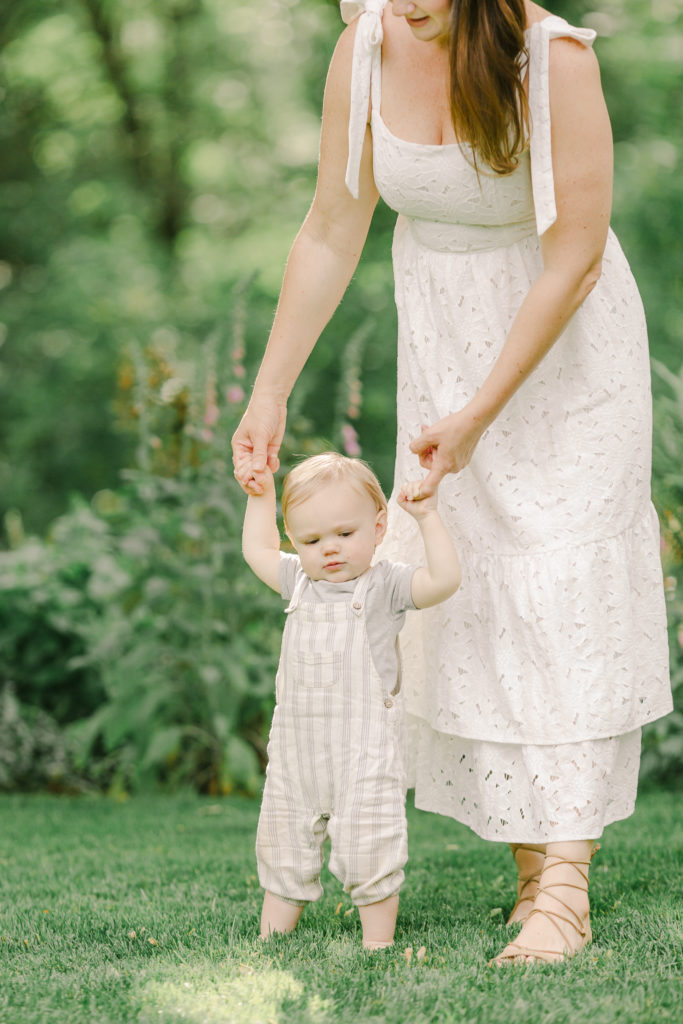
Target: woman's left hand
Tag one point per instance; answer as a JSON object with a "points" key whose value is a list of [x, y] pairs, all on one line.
{"points": [[446, 447]]}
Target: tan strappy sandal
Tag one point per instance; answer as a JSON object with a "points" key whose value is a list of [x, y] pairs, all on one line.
{"points": [[515, 952], [527, 884]]}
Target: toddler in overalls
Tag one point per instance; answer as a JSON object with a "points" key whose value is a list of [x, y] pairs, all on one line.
{"points": [[336, 746]]}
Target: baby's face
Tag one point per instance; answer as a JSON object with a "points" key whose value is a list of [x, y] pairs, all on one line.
{"points": [[335, 532]]}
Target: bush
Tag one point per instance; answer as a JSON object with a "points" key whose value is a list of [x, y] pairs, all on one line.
{"points": [[663, 740], [136, 622], [33, 751]]}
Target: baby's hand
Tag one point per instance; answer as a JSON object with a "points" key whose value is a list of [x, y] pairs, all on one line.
{"points": [[411, 500], [267, 481]]}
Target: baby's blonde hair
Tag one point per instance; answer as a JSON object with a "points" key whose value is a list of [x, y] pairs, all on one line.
{"points": [[305, 479]]}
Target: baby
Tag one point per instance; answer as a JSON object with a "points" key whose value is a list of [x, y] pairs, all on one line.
{"points": [[336, 742]]}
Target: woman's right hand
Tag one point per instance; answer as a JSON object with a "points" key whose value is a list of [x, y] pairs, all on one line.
{"points": [[256, 443]]}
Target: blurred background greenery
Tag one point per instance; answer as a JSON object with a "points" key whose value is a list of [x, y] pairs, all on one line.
{"points": [[159, 156]]}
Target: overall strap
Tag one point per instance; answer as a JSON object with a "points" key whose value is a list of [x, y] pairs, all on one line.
{"points": [[367, 55], [542, 181], [360, 592]]}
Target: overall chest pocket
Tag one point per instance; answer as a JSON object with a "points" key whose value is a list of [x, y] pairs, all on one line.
{"points": [[316, 669]]}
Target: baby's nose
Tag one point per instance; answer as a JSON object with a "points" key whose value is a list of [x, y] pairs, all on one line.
{"points": [[331, 544]]}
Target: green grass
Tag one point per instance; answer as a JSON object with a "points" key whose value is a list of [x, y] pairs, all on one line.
{"points": [[147, 911]]}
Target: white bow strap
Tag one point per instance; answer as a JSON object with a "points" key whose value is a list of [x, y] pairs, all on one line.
{"points": [[543, 184], [369, 35]]}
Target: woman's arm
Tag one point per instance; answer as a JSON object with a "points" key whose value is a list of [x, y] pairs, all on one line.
{"points": [[321, 262], [572, 253]]}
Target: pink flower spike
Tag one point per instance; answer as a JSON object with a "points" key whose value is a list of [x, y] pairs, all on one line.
{"points": [[239, 371], [234, 394], [211, 415], [206, 435], [350, 438]]}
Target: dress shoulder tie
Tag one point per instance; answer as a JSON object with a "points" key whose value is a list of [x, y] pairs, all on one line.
{"points": [[542, 181], [368, 41]]}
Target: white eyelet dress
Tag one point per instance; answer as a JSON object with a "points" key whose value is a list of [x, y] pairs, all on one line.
{"points": [[526, 691], [335, 758]]}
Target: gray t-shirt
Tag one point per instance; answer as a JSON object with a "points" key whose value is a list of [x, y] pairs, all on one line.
{"points": [[387, 601]]}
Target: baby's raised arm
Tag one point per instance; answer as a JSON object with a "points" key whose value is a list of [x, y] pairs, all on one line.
{"points": [[260, 535], [441, 577]]}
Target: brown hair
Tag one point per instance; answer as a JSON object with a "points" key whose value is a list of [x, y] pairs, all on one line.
{"points": [[488, 104], [311, 474]]}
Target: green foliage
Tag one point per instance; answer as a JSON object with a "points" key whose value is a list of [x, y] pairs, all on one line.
{"points": [[33, 750], [155, 151], [136, 621], [663, 741], [182, 646]]}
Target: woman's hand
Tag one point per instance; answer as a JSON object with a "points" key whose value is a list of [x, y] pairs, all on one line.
{"points": [[256, 442], [446, 447]]}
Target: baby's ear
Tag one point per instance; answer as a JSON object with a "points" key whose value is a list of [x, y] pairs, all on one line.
{"points": [[380, 526]]}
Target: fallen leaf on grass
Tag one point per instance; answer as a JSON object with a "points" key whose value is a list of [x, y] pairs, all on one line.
{"points": [[408, 954], [349, 911], [339, 906], [152, 942], [496, 912], [421, 954], [132, 934]]}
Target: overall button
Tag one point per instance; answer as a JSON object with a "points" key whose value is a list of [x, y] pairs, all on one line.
{"points": [[357, 605], [388, 703]]}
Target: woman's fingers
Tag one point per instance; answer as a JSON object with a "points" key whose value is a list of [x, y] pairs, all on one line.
{"points": [[425, 442], [430, 484], [425, 448], [272, 458], [247, 466], [255, 445]]}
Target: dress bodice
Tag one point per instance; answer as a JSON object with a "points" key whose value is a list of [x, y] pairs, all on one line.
{"points": [[438, 183]]}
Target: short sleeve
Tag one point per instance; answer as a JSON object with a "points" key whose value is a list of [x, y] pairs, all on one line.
{"points": [[395, 579], [289, 568]]}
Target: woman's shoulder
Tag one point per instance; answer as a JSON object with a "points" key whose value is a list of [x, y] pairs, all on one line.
{"points": [[570, 59], [339, 72], [571, 51]]}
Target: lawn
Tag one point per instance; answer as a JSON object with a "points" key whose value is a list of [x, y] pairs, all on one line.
{"points": [[147, 911]]}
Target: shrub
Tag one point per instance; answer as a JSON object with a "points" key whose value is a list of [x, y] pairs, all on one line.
{"points": [[663, 740], [136, 622], [33, 751]]}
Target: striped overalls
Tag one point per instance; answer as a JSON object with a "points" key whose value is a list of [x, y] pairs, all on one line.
{"points": [[335, 759]]}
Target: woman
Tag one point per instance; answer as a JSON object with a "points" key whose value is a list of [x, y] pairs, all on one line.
{"points": [[522, 345]]}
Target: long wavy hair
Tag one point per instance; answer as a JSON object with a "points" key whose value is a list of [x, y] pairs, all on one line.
{"points": [[488, 104]]}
